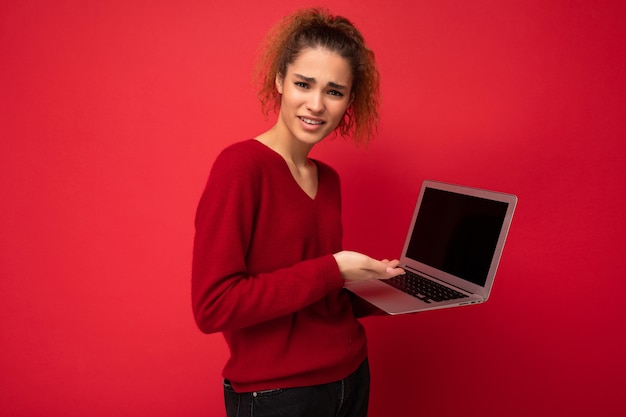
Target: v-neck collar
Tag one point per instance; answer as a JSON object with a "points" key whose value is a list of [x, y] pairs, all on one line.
{"points": [[288, 171]]}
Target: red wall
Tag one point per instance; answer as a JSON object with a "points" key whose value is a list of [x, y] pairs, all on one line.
{"points": [[112, 112]]}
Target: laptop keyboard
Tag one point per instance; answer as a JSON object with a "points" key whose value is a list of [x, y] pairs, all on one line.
{"points": [[423, 288]]}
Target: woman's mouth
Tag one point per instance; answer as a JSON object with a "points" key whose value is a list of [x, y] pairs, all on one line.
{"points": [[311, 121]]}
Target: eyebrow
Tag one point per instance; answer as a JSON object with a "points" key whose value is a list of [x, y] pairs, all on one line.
{"points": [[313, 81]]}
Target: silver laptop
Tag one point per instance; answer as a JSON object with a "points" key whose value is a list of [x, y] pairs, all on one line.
{"points": [[451, 253]]}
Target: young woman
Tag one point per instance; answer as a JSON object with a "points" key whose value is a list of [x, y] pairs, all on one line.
{"points": [[268, 266]]}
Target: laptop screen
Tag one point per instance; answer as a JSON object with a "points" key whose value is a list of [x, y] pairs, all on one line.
{"points": [[457, 233]]}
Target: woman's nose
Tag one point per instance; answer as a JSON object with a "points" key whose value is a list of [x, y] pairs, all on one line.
{"points": [[315, 103]]}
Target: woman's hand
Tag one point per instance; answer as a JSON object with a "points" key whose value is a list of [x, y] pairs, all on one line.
{"points": [[356, 266]]}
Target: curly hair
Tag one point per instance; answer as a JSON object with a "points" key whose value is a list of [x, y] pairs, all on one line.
{"points": [[311, 28]]}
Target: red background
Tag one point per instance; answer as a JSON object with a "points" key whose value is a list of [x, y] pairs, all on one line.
{"points": [[112, 113]]}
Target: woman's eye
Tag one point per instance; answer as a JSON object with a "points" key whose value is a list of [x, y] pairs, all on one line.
{"points": [[335, 93], [302, 84]]}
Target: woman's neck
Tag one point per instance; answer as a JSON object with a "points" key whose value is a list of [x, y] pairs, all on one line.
{"points": [[295, 154], [292, 150]]}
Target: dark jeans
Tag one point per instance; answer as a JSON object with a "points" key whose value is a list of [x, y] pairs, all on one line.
{"points": [[346, 398]]}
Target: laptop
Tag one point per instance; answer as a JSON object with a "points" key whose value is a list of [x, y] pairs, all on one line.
{"points": [[451, 252]]}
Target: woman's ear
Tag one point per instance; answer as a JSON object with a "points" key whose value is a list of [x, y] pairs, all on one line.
{"points": [[279, 84]]}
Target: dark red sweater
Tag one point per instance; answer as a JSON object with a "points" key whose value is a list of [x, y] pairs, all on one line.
{"points": [[264, 274]]}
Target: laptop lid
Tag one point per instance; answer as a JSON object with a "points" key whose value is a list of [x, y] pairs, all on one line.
{"points": [[457, 235]]}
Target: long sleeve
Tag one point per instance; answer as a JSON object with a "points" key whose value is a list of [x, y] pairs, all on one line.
{"points": [[226, 293]]}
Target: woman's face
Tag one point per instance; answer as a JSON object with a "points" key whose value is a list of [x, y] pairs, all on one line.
{"points": [[315, 94]]}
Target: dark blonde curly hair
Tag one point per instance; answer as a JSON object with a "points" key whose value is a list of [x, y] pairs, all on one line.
{"points": [[311, 28]]}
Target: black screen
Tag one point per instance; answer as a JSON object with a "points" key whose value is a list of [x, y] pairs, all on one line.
{"points": [[457, 233]]}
